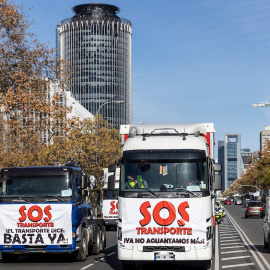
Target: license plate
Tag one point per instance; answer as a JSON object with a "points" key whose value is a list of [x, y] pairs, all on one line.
{"points": [[164, 257]]}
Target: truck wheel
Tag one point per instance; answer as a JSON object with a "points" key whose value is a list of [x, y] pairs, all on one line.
{"points": [[103, 239], [83, 247], [128, 265], [9, 258], [96, 246]]}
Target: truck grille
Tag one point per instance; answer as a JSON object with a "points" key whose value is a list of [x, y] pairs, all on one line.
{"points": [[165, 248]]}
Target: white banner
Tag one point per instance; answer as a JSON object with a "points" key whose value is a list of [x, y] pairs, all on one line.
{"points": [[164, 221], [35, 224], [110, 209]]}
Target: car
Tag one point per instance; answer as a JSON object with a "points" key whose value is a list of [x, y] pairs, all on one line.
{"points": [[238, 201], [246, 202], [228, 201], [255, 208]]}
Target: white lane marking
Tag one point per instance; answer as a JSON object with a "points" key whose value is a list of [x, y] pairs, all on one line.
{"points": [[231, 247], [235, 258], [216, 251], [97, 260], [111, 254], [231, 244], [100, 259], [245, 239], [226, 240], [87, 266], [234, 251], [229, 237], [228, 234], [237, 265]]}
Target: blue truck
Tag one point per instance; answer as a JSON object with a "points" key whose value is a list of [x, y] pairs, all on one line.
{"points": [[43, 209]]}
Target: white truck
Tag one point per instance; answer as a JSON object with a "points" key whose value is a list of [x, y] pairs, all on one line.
{"points": [[166, 194], [110, 200]]}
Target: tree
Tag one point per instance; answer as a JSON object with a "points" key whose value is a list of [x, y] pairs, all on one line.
{"points": [[28, 113]]}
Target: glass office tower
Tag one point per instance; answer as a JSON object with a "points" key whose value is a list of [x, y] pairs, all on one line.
{"points": [[229, 155], [97, 45]]}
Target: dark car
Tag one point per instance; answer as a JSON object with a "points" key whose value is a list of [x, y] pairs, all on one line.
{"points": [[228, 201], [254, 208]]}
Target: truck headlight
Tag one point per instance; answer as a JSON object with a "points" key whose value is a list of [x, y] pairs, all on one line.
{"points": [[119, 233], [208, 233]]}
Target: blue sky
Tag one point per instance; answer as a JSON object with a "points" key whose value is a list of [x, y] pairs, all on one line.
{"points": [[192, 60]]}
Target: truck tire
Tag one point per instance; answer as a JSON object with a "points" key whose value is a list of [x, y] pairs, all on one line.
{"points": [[103, 239], [83, 247], [9, 258], [96, 246]]}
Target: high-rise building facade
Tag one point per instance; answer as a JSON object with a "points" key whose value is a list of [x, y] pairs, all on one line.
{"points": [[246, 158], [96, 43], [264, 136], [231, 160]]}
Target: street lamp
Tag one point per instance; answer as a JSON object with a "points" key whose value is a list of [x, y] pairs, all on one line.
{"points": [[113, 101]]}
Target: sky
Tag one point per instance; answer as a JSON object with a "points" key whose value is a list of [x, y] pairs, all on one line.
{"points": [[195, 61]]}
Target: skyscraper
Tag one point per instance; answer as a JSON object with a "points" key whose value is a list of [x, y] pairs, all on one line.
{"points": [[97, 45], [230, 157]]}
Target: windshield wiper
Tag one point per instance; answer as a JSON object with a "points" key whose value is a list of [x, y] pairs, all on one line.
{"points": [[149, 190], [20, 200], [53, 198], [188, 191]]}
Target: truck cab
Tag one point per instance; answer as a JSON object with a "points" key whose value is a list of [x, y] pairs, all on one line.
{"points": [[166, 194], [43, 209]]}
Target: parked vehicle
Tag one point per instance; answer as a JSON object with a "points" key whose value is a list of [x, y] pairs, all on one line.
{"points": [[166, 193], [255, 208], [43, 210], [266, 224]]}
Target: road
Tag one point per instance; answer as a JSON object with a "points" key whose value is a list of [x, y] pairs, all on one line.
{"points": [[241, 241], [239, 246]]}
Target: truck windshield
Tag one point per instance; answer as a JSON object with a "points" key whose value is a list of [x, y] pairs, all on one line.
{"points": [[37, 186], [111, 195], [161, 175]]}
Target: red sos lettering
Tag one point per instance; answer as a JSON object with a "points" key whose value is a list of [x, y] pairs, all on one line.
{"points": [[38, 213], [113, 205], [164, 221]]}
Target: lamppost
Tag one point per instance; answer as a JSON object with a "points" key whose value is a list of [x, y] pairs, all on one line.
{"points": [[112, 101], [97, 125]]}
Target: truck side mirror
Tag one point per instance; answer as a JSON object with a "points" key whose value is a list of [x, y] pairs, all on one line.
{"points": [[112, 168], [83, 192], [217, 185], [111, 181], [83, 182], [217, 167]]}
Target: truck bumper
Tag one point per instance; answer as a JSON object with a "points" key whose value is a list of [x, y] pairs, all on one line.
{"points": [[20, 250], [190, 253], [110, 222]]}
